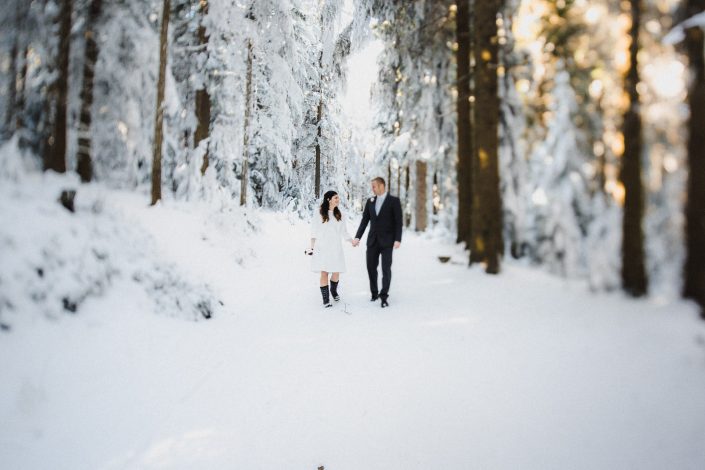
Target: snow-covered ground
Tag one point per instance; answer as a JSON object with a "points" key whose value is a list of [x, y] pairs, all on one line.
{"points": [[463, 371]]}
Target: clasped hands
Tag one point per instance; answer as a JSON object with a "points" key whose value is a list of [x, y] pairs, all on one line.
{"points": [[356, 242]]}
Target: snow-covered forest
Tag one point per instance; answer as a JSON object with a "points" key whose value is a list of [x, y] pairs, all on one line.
{"points": [[160, 162]]}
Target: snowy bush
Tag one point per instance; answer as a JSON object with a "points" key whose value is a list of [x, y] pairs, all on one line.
{"points": [[53, 260]]}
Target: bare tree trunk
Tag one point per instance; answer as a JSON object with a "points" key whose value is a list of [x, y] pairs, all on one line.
{"points": [[390, 175], [633, 269], [487, 227], [21, 81], [203, 99], [83, 156], [465, 156], [407, 216], [55, 150], [246, 134], [319, 116], [159, 120], [421, 196], [436, 192], [317, 183], [694, 269]]}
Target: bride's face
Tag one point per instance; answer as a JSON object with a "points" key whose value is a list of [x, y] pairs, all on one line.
{"points": [[334, 201]]}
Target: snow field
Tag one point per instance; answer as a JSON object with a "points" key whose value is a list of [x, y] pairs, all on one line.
{"points": [[464, 370]]}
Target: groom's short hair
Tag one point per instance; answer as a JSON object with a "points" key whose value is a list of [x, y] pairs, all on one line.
{"points": [[380, 180]]}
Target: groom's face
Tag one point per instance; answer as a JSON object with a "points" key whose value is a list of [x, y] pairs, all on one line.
{"points": [[377, 188]]}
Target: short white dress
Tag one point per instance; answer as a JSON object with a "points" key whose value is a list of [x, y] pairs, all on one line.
{"points": [[328, 248]]}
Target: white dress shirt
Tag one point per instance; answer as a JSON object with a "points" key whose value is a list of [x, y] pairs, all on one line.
{"points": [[379, 201]]}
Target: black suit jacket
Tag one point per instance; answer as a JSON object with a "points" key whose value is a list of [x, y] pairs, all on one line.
{"points": [[385, 227]]}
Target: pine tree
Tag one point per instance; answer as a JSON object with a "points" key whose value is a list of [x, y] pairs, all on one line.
{"points": [[319, 116], [694, 269], [159, 113], [55, 149], [558, 216], [83, 156], [633, 266], [421, 196], [487, 223], [203, 99], [465, 134], [20, 90], [246, 132]]}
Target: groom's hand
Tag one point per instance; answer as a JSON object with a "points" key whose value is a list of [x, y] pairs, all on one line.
{"points": [[355, 242], [397, 244]]}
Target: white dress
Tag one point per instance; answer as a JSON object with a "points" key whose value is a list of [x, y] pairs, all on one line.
{"points": [[328, 248]]}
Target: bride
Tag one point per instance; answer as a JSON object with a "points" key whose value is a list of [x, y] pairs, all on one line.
{"points": [[327, 232]]}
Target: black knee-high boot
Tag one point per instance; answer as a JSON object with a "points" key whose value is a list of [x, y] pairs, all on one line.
{"points": [[326, 297], [334, 290]]}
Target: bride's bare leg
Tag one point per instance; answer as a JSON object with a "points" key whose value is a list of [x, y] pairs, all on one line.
{"points": [[334, 277], [324, 278]]}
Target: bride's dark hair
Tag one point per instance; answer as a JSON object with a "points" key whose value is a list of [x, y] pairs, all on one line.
{"points": [[325, 207]]}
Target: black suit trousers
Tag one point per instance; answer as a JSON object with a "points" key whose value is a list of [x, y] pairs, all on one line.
{"points": [[374, 251]]}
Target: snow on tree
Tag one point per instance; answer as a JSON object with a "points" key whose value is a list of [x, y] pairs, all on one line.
{"points": [[559, 212]]}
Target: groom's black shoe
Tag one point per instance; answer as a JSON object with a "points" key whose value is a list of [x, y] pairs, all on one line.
{"points": [[384, 301], [374, 297]]}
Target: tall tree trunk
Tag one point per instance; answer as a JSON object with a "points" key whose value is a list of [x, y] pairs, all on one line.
{"points": [[244, 183], [159, 120], [83, 156], [465, 157], [55, 150], [21, 82], [435, 193], [389, 174], [487, 226], [203, 99], [399, 180], [319, 116], [407, 218], [421, 196], [694, 269], [633, 269], [319, 133]]}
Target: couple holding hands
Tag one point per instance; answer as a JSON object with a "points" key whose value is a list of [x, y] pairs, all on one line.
{"points": [[328, 230]]}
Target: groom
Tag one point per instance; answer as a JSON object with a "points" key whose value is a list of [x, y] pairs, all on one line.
{"points": [[384, 214]]}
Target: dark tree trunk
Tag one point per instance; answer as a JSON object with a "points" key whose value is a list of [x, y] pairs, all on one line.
{"points": [[436, 193], [83, 157], [633, 269], [159, 118], [694, 269], [407, 178], [203, 99], [319, 116], [487, 226], [246, 133], [55, 149], [317, 183], [203, 115], [390, 176], [421, 196], [465, 160], [21, 81]]}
